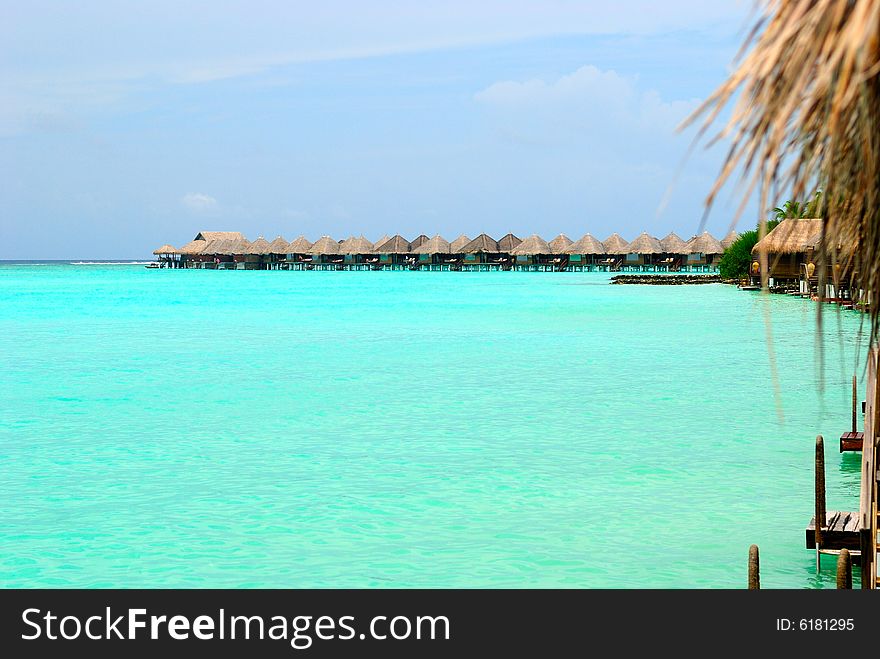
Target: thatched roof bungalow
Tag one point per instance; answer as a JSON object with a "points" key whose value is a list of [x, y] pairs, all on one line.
{"points": [[587, 245], [260, 246], [397, 244], [703, 250], [643, 250], [672, 245], [279, 246], [789, 247], [166, 250], [729, 239], [435, 252]]}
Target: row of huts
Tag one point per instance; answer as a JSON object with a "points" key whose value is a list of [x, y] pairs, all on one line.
{"points": [[230, 249]]}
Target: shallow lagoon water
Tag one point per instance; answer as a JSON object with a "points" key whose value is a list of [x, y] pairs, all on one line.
{"points": [[371, 429]]}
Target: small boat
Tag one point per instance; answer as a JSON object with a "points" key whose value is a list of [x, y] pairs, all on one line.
{"points": [[153, 265]]}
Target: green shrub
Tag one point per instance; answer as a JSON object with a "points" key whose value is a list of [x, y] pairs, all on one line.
{"points": [[736, 259]]}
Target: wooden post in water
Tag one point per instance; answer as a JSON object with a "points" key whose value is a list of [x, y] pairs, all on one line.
{"points": [[754, 569], [844, 570], [820, 497], [854, 416]]}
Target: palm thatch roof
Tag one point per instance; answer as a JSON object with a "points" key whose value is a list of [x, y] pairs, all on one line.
{"points": [[259, 246], [418, 241], [380, 241], [482, 243], [729, 239], [219, 235], [299, 246], [561, 243], [806, 117], [531, 246], [436, 245], [324, 245], [279, 246], [644, 244], [614, 244], [239, 247], [397, 244], [356, 245], [222, 246], [790, 237], [508, 243], [166, 249], [194, 247], [673, 244], [705, 243], [457, 244], [586, 245]]}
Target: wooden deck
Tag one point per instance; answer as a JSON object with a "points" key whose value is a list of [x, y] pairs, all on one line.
{"points": [[840, 531], [851, 441]]}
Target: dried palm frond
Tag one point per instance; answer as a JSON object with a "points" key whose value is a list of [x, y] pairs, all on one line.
{"points": [[808, 118]]}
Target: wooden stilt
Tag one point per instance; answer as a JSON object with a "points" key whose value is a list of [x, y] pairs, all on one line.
{"points": [[754, 569], [820, 497], [844, 570]]}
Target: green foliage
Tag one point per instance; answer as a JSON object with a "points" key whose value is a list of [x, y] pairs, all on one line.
{"points": [[736, 259]]}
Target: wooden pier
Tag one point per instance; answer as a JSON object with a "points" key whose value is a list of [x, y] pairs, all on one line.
{"points": [[852, 440]]}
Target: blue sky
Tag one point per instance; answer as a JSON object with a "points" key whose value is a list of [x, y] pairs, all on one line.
{"points": [[127, 125]]}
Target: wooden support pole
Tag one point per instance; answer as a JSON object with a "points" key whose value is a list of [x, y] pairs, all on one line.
{"points": [[820, 497], [754, 569], [844, 570], [855, 403]]}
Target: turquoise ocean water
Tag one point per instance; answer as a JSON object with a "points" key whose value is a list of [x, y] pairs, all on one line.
{"points": [[372, 429]]}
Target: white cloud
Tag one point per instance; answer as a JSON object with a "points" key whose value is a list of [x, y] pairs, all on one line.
{"points": [[199, 202]]}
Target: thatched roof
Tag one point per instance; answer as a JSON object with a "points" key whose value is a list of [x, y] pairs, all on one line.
{"points": [[560, 243], [380, 241], [673, 244], [482, 243], [644, 244], [534, 244], [165, 249], [356, 245], [279, 246], [729, 239], [259, 246], [586, 245], [508, 243], [436, 245], [790, 236], [239, 247], [418, 241], [397, 244], [194, 247], [705, 243], [614, 244], [219, 235], [457, 244], [324, 245], [299, 246]]}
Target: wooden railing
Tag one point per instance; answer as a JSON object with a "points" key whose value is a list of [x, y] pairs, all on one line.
{"points": [[868, 493]]}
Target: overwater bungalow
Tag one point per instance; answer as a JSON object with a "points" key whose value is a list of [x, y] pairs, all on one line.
{"points": [[394, 254], [674, 252], [277, 253], [481, 254], [790, 249], [508, 243], [169, 257], [703, 252], [559, 245], [194, 254], [643, 252], [533, 254], [260, 249], [615, 252], [299, 256], [436, 254], [325, 254], [584, 253], [357, 253]]}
